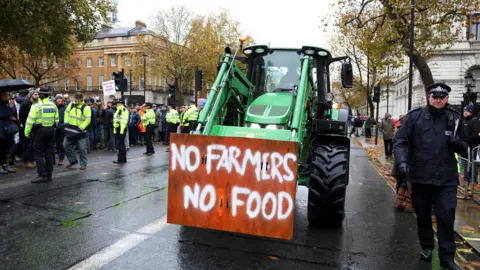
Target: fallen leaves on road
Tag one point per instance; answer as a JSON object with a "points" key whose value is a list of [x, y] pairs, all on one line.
{"points": [[373, 153], [272, 258], [80, 203]]}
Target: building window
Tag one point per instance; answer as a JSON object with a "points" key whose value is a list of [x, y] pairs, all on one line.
{"points": [[100, 62], [79, 62], [154, 83], [128, 61], [45, 63], [113, 61], [89, 82], [55, 85], [100, 82], [141, 82], [77, 83], [67, 83], [89, 62]]}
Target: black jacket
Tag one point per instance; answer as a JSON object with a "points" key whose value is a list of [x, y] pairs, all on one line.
{"points": [[423, 141]]}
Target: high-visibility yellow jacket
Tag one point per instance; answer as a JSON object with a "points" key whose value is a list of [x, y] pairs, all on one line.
{"points": [[75, 117], [148, 118], [44, 112], [190, 115], [120, 119], [172, 117]]}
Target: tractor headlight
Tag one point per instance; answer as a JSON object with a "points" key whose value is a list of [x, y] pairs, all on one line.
{"points": [[328, 97], [309, 52], [275, 127], [253, 125]]}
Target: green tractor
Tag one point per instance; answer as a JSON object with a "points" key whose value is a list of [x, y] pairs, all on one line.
{"points": [[283, 97], [286, 95]]}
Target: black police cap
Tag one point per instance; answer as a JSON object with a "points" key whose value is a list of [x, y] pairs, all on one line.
{"points": [[439, 90], [148, 104]]}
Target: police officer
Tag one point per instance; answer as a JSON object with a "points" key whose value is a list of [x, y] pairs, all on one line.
{"points": [[41, 122], [148, 120], [190, 118], [120, 123], [433, 134], [173, 119]]}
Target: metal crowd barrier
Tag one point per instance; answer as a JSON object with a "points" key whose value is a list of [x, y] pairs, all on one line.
{"points": [[465, 168], [475, 171]]}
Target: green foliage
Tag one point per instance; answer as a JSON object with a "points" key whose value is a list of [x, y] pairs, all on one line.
{"points": [[33, 30]]}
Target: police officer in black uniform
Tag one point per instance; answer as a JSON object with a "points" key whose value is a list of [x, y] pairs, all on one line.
{"points": [[432, 135]]}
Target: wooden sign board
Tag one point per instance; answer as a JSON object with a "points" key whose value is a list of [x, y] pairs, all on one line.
{"points": [[241, 185]]}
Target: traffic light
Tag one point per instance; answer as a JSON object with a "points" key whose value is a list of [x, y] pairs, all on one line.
{"points": [[171, 91], [117, 77], [198, 80], [376, 93]]}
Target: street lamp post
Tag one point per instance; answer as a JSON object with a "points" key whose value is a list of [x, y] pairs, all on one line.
{"points": [[144, 55], [131, 83], [469, 96], [388, 90]]}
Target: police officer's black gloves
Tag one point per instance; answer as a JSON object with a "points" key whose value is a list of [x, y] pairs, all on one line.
{"points": [[403, 171], [457, 146]]}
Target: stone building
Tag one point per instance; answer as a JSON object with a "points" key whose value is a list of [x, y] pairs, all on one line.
{"points": [[111, 50]]}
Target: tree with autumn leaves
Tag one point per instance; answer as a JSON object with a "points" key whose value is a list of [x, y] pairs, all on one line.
{"points": [[184, 40], [380, 28], [39, 36]]}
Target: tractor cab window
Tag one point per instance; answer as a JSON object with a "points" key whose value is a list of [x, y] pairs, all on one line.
{"points": [[276, 72]]}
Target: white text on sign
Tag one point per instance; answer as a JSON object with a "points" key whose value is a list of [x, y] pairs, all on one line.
{"points": [[231, 157]]}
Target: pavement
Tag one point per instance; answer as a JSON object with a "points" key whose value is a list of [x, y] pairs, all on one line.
{"points": [[467, 220], [114, 217]]}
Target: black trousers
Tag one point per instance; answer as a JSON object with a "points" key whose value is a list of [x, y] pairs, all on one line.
{"points": [[44, 149], [149, 139], [444, 201], [171, 128], [122, 150], [388, 144], [4, 146]]}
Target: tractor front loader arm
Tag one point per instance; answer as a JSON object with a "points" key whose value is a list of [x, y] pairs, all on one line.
{"points": [[230, 84]]}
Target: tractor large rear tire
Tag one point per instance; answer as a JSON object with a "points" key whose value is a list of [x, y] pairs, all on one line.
{"points": [[328, 185]]}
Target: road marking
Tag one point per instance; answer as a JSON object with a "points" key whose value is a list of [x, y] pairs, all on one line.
{"points": [[123, 245]]}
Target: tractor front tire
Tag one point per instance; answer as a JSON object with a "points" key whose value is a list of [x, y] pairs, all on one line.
{"points": [[328, 185]]}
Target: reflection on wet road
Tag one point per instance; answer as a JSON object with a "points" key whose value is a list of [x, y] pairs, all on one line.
{"points": [[114, 217]]}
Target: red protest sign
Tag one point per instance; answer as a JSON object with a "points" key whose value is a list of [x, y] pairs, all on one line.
{"points": [[233, 184]]}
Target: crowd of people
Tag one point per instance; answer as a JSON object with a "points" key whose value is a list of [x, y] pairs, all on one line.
{"points": [[82, 125]]}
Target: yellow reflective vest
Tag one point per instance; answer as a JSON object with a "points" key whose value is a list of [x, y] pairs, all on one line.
{"points": [[148, 118], [172, 117], [44, 112], [120, 119], [190, 115], [75, 117]]}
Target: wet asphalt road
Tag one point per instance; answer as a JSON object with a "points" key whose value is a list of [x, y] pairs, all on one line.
{"points": [[59, 224]]}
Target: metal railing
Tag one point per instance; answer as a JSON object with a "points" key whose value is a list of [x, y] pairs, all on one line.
{"points": [[475, 165], [465, 174]]}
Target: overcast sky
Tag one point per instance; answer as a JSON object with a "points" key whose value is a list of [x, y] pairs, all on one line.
{"points": [[290, 24]]}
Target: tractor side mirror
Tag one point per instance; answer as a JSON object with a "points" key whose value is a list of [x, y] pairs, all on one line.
{"points": [[347, 75]]}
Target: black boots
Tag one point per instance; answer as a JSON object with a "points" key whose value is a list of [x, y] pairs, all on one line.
{"points": [[450, 265], [426, 254]]}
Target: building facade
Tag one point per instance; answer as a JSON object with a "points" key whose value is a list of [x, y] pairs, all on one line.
{"points": [[111, 50], [449, 66]]}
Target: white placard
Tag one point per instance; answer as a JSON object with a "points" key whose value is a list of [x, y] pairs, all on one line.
{"points": [[109, 88]]}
